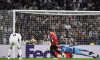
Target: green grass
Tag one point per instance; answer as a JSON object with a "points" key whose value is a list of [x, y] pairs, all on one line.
{"points": [[52, 59]]}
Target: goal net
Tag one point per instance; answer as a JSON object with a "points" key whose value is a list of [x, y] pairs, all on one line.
{"points": [[71, 27], [6, 26]]}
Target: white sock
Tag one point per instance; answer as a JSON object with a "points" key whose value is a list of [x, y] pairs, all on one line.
{"points": [[20, 54], [9, 53], [62, 53]]}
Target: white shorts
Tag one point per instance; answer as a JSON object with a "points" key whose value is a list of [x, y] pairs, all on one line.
{"points": [[14, 41]]}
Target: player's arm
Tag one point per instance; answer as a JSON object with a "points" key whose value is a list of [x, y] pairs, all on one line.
{"points": [[57, 43], [50, 39], [20, 37], [61, 45]]}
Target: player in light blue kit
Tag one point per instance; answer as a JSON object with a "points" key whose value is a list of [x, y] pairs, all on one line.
{"points": [[75, 50]]}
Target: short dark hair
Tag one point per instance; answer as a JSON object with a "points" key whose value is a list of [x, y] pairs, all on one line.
{"points": [[16, 31], [51, 30]]}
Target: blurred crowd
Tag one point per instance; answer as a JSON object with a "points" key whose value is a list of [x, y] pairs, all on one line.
{"points": [[73, 29], [76, 5], [69, 29]]}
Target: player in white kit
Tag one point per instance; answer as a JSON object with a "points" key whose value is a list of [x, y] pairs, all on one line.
{"points": [[15, 39]]}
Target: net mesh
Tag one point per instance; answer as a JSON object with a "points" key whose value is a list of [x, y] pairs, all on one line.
{"points": [[6, 25], [70, 29]]}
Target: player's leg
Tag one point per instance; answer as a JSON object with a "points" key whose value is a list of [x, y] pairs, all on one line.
{"points": [[19, 50], [10, 49], [85, 50], [89, 55], [78, 51], [52, 50], [61, 50], [90, 52], [56, 49]]}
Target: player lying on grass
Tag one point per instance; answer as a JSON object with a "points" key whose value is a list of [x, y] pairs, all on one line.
{"points": [[75, 50], [15, 39]]}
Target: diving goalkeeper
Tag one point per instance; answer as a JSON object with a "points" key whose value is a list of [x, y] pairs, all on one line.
{"points": [[77, 51]]}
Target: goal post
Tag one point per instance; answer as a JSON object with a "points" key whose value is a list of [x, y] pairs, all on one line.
{"points": [[68, 15], [59, 12], [72, 27], [14, 20]]}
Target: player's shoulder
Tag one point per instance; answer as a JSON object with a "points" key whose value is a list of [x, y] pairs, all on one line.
{"points": [[15, 34], [52, 33], [18, 34]]}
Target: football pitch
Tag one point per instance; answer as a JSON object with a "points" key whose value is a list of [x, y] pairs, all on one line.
{"points": [[52, 59]]}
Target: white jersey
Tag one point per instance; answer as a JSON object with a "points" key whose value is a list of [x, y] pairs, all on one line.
{"points": [[15, 39]]}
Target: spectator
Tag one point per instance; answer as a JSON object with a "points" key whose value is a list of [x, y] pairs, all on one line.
{"points": [[24, 41], [33, 40], [93, 35], [46, 40], [71, 41], [90, 3], [50, 5], [4, 39], [62, 39], [67, 25]]}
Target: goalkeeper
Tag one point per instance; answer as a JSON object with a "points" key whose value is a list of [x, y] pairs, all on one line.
{"points": [[75, 50]]}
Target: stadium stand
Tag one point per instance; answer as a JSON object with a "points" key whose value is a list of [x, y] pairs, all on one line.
{"points": [[79, 29], [76, 5]]}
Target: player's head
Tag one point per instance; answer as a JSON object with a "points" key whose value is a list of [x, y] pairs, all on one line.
{"points": [[51, 30], [17, 31]]}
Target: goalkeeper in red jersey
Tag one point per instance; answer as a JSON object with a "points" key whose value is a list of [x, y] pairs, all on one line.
{"points": [[54, 43]]}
